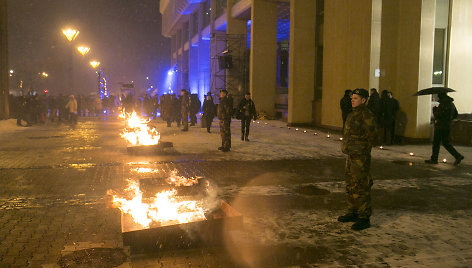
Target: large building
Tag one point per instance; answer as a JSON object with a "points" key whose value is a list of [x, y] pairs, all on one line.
{"points": [[4, 109], [297, 57]]}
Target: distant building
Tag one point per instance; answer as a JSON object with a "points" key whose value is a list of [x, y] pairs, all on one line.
{"points": [[297, 57]]}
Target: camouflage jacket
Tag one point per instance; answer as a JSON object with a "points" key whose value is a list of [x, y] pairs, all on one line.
{"points": [[359, 132], [224, 109]]}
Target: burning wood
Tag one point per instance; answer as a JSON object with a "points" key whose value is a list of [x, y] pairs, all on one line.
{"points": [[137, 131], [165, 208]]}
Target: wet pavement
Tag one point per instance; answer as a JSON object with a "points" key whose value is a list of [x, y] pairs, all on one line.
{"points": [[55, 211]]}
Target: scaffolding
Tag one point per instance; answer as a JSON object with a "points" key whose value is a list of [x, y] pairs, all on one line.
{"points": [[233, 78]]}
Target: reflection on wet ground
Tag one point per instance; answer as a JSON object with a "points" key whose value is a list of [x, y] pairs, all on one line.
{"points": [[53, 185]]}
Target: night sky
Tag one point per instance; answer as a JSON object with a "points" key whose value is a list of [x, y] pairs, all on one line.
{"points": [[124, 35]]}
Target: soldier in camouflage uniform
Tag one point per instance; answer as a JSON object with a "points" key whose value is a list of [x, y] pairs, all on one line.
{"points": [[358, 138], [184, 108], [224, 115]]}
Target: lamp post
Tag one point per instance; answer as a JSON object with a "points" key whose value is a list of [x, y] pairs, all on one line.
{"points": [[95, 64], [71, 35]]}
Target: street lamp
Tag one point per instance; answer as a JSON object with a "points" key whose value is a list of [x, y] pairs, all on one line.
{"points": [[83, 50], [70, 34], [44, 74], [94, 64]]}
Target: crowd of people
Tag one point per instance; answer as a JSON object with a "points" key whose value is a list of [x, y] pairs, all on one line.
{"points": [[384, 108], [31, 109]]}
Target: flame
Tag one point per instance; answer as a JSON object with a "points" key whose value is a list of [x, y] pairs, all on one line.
{"points": [[163, 209], [146, 170], [176, 180], [139, 133]]}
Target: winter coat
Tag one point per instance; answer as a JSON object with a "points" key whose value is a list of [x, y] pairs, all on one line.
{"points": [[247, 109], [444, 113], [71, 106], [360, 132], [388, 110], [185, 104], [208, 109], [224, 109], [374, 105], [346, 106]]}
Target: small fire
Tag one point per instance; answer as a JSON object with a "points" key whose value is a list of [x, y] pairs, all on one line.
{"points": [[137, 131], [163, 209], [176, 180], [145, 170]]}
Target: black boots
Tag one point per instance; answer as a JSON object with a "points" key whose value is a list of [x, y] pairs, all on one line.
{"points": [[431, 161], [349, 217], [458, 160], [359, 223]]}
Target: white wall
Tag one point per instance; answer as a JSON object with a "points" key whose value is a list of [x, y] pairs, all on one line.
{"points": [[460, 55]]}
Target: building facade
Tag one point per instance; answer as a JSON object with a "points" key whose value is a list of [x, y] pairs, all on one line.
{"points": [[4, 109], [297, 57]]}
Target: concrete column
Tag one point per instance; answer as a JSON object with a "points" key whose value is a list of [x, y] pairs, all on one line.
{"points": [[460, 54], [4, 108], [184, 59], [301, 86], [193, 61], [263, 63], [203, 57], [406, 61], [347, 53]]}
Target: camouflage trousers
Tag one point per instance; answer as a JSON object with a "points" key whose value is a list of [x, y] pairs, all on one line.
{"points": [[358, 184], [225, 131]]}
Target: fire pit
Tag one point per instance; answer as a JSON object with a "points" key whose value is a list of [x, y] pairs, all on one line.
{"points": [[149, 149], [209, 231]]}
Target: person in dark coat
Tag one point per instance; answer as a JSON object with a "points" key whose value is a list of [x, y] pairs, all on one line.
{"points": [[176, 109], [224, 115], [184, 108], [345, 104], [208, 112], [443, 116], [194, 106], [247, 110], [374, 104], [388, 111]]}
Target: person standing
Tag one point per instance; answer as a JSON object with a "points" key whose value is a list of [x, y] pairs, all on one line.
{"points": [[388, 111], [345, 104], [208, 112], [373, 104], [184, 108], [358, 137], [71, 107], [195, 105], [224, 115], [443, 116], [247, 109]]}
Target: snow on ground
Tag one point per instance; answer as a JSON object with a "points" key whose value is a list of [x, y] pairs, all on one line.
{"points": [[9, 125], [273, 140]]}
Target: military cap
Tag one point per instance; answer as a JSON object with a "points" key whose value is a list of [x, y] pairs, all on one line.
{"points": [[361, 92]]}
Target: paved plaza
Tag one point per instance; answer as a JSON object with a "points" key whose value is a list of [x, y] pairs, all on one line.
{"points": [[287, 183]]}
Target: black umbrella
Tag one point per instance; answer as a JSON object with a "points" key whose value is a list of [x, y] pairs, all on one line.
{"points": [[433, 90]]}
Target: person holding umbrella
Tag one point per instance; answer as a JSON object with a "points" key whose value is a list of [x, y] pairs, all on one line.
{"points": [[443, 116]]}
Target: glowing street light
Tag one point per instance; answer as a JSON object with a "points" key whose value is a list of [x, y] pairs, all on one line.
{"points": [[44, 74], [70, 34], [83, 50], [11, 71], [94, 64]]}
